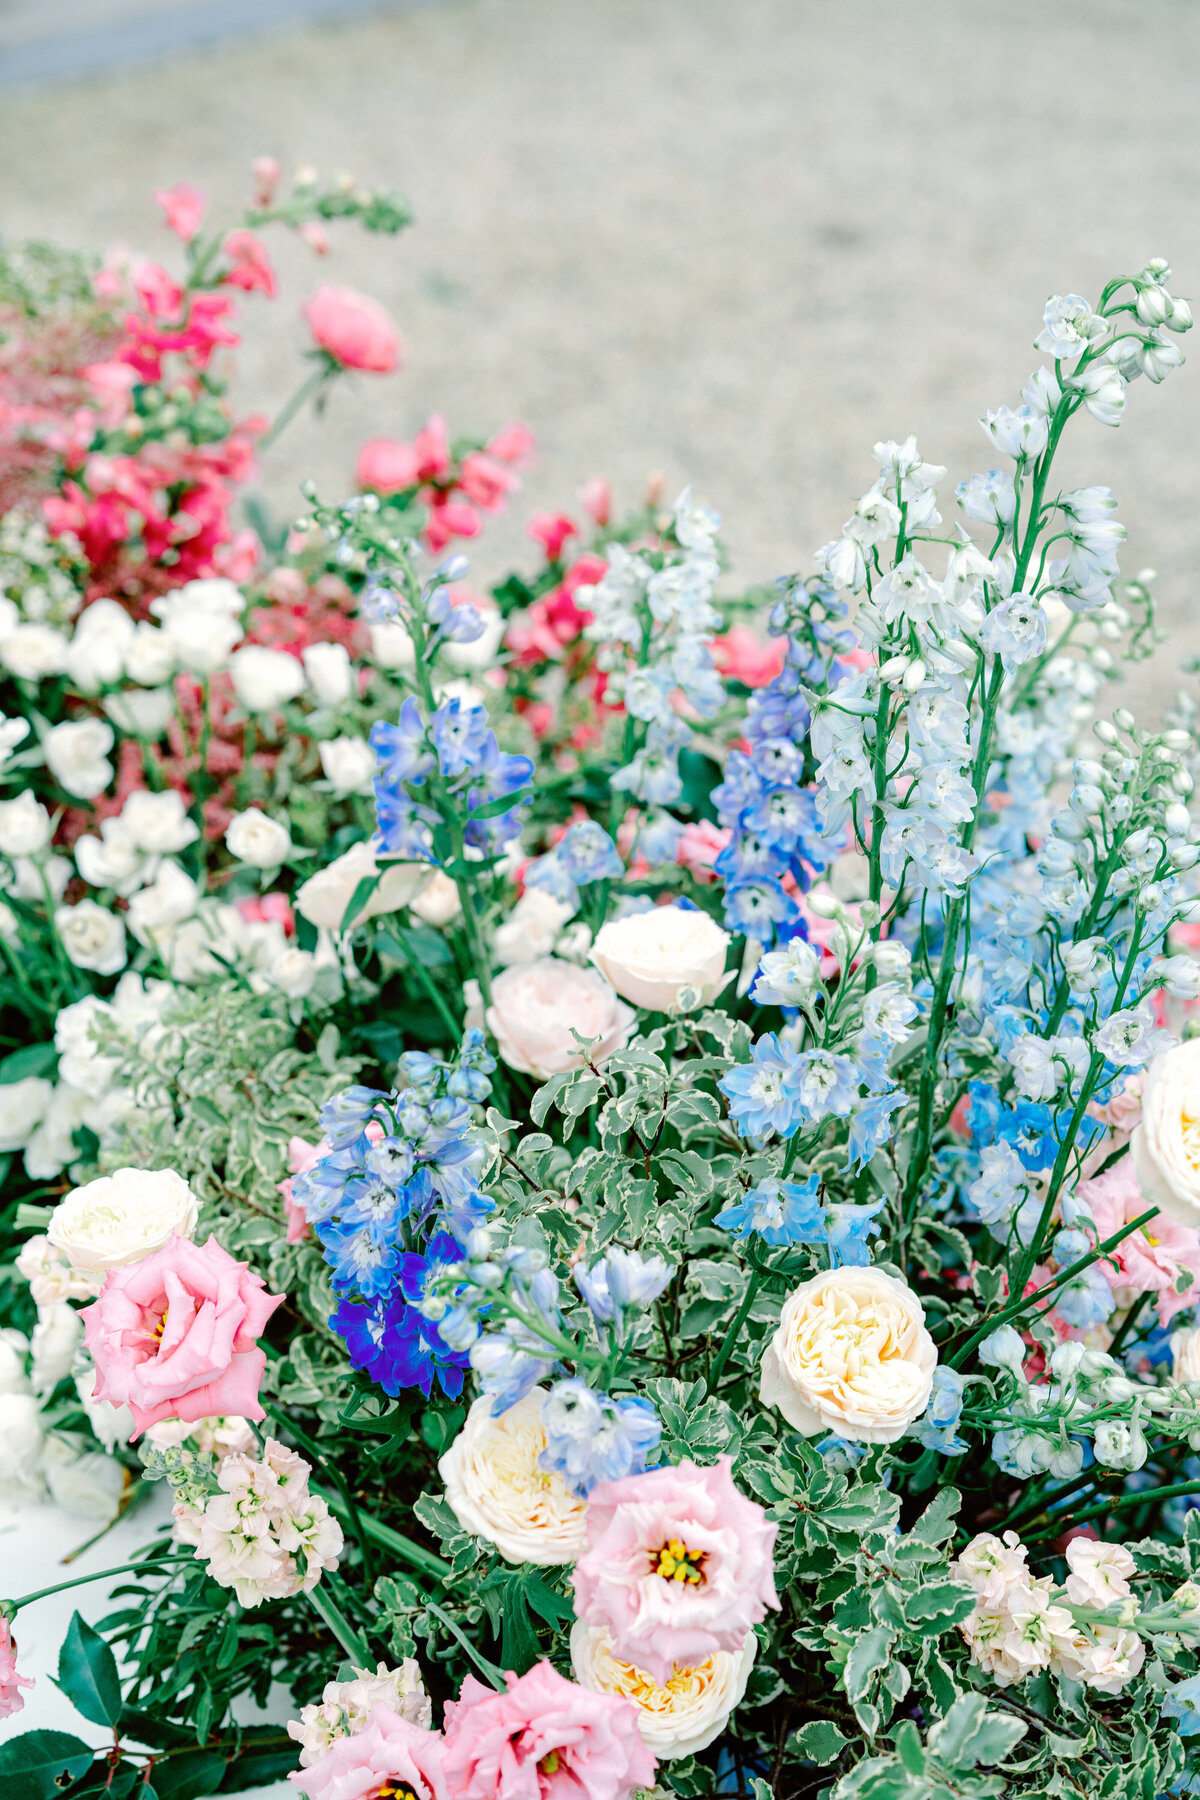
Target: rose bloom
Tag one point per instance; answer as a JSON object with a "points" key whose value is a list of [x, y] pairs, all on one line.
{"points": [[498, 1490], [389, 1752], [651, 957], [92, 937], [354, 330], [264, 679], [850, 1355], [685, 1715], [324, 897], [11, 1683], [1147, 1261], [175, 1336], [123, 1217], [543, 1739], [256, 838], [387, 466], [536, 1006], [679, 1566], [1166, 1144]]}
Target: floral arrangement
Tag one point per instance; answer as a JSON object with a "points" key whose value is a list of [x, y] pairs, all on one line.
{"points": [[628, 1152]]}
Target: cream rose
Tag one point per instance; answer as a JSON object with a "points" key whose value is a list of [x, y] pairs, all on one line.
{"points": [[1166, 1144], [324, 897], [536, 1007], [531, 929], [122, 1218], [677, 1720], [652, 958], [256, 838], [498, 1491], [850, 1355]]}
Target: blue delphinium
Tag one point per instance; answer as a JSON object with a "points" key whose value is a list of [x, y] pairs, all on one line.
{"points": [[779, 1212], [392, 1341], [938, 1427], [763, 1094], [1183, 1703], [590, 1438], [848, 1229], [620, 1280]]}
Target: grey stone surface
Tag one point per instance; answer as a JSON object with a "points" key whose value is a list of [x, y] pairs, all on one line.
{"points": [[736, 241]]}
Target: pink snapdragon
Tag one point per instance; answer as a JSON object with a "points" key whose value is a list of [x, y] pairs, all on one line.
{"points": [[185, 206], [551, 531], [354, 329], [1150, 1260], [679, 1566], [175, 1336], [387, 467], [249, 265], [389, 1751], [545, 1738], [11, 1683]]}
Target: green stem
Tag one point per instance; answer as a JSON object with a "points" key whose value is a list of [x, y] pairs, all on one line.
{"points": [[308, 390], [351, 1641], [735, 1330], [1153, 1496], [60, 1587], [486, 1668], [440, 1003]]}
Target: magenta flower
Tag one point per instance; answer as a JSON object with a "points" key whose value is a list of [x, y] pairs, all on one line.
{"points": [[679, 1565], [389, 1753], [544, 1739], [354, 330]]}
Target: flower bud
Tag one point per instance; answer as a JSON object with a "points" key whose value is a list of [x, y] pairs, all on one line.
{"points": [[1177, 819], [1182, 782], [1183, 856], [1123, 719], [1181, 316], [894, 669], [1177, 739], [1154, 306], [1105, 731]]}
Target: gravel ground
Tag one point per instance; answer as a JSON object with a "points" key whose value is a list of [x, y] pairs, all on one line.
{"points": [[735, 241]]}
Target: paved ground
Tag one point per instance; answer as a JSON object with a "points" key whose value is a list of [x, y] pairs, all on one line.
{"points": [[734, 240]]}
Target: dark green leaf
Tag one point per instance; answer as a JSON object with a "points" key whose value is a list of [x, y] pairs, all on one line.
{"points": [[358, 899], [518, 1643], [39, 1764], [32, 1059], [87, 1674], [189, 1774]]}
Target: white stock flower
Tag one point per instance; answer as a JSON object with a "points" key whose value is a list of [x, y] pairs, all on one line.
{"points": [[77, 756], [329, 672], [123, 1217], [683, 1717], [498, 1490], [538, 1007], [850, 1355], [667, 958], [264, 679], [531, 929], [264, 1535], [92, 936], [25, 828], [1106, 1661], [83, 1481], [96, 655], [22, 1108], [53, 1345], [324, 897], [51, 1277], [348, 763], [346, 1706], [1099, 1572], [21, 1440], [158, 823], [1166, 1143], [32, 652], [256, 838]]}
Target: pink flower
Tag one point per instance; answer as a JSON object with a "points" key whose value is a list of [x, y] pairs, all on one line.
{"points": [[114, 383], [266, 179], [249, 266], [302, 1156], [11, 1697], [315, 236], [742, 656], [354, 330], [175, 1336], [450, 519], [432, 448], [679, 1566], [1149, 1260], [386, 466], [595, 497], [551, 530], [1124, 1110], [184, 206], [387, 1751], [487, 481], [544, 1739], [514, 444], [700, 845]]}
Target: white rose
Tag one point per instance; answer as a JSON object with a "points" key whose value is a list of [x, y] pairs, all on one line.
{"points": [[113, 1425], [25, 828], [498, 1490], [122, 1217], [329, 674], [850, 1355], [197, 637], [33, 652], [391, 645], [77, 756], [150, 657], [652, 957], [112, 860], [54, 1343], [14, 1347], [34, 880], [51, 1277], [141, 712], [85, 1483], [22, 1108], [324, 897], [537, 1006], [12, 733], [171, 898], [482, 651], [256, 838], [20, 1444], [52, 1145], [158, 823], [96, 656], [263, 679], [438, 901], [214, 594], [677, 1720], [1166, 1144], [531, 928], [92, 937], [294, 971], [349, 763]]}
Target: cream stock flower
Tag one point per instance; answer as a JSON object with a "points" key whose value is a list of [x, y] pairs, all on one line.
{"points": [[850, 1355], [122, 1218], [679, 1719], [1166, 1143], [660, 957], [345, 1707], [498, 1491]]}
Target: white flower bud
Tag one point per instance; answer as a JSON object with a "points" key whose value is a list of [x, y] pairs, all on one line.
{"points": [[1177, 819], [1154, 306], [1123, 719], [1104, 731]]}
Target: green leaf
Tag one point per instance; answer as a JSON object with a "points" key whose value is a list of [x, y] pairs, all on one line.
{"points": [[820, 1742], [189, 1774], [33, 1059], [934, 1609], [868, 1655], [969, 1734], [936, 1523], [518, 1641], [491, 809], [39, 1764], [358, 899], [910, 1749], [87, 1674]]}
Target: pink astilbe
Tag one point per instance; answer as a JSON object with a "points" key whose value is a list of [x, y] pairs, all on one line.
{"points": [[1149, 1260], [545, 1738], [11, 1683], [388, 1750]]}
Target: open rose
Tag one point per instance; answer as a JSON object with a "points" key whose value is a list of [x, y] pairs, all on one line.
{"points": [[354, 330], [543, 1739], [175, 1336], [664, 958], [122, 1217], [499, 1491], [677, 1719], [537, 1007], [851, 1355], [1166, 1145]]}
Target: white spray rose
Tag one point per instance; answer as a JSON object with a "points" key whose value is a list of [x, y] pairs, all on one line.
{"points": [[33, 652], [122, 1217], [531, 929], [537, 1008], [113, 1425], [92, 937], [324, 897], [255, 838], [330, 676], [293, 972], [97, 652], [25, 828], [51, 1277], [498, 1490], [665, 958], [679, 1719], [23, 1106], [171, 898], [54, 1343], [850, 1355], [21, 1439], [349, 763], [438, 902], [77, 756], [1166, 1144], [158, 823], [264, 679], [83, 1481], [200, 623], [391, 645], [112, 860]]}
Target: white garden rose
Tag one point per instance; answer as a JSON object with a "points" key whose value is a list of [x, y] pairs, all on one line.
{"points": [[498, 1490], [96, 655], [158, 823], [82, 1480], [122, 1217], [33, 652], [330, 676], [850, 1355], [531, 929], [171, 898], [538, 1007], [22, 1108], [665, 958], [264, 679], [677, 1720], [200, 624], [141, 712], [256, 838], [113, 860], [25, 828], [1166, 1144], [324, 897], [150, 658], [53, 1344], [77, 756], [92, 937], [21, 1439], [348, 764], [391, 645]]}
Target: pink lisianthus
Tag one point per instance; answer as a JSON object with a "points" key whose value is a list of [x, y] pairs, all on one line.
{"points": [[1152, 1259], [679, 1566], [551, 531], [387, 1751], [354, 330], [302, 1156], [175, 1336], [742, 656], [544, 1739], [11, 1683], [386, 467], [185, 207]]}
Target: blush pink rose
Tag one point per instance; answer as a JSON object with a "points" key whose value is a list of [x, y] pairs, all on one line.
{"points": [[302, 1156], [1149, 1260], [544, 1739], [538, 1007], [11, 1697], [354, 330], [627, 1582], [388, 1750], [175, 1336]]}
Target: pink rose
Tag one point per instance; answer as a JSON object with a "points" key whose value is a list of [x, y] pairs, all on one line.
{"points": [[354, 330], [537, 1006], [184, 206], [386, 466], [11, 1697], [679, 1566], [544, 1739], [387, 1751], [175, 1336], [742, 656], [1149, 1260], [302, 1156]]}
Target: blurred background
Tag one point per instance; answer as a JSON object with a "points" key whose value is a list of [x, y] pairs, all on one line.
{"points": [[731, 241]]}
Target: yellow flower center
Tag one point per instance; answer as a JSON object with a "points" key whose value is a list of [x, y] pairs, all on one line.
{"points": [[160, 1327], [1189, 1126], [676, 1562], [395, 1789], [549, 1764]]}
